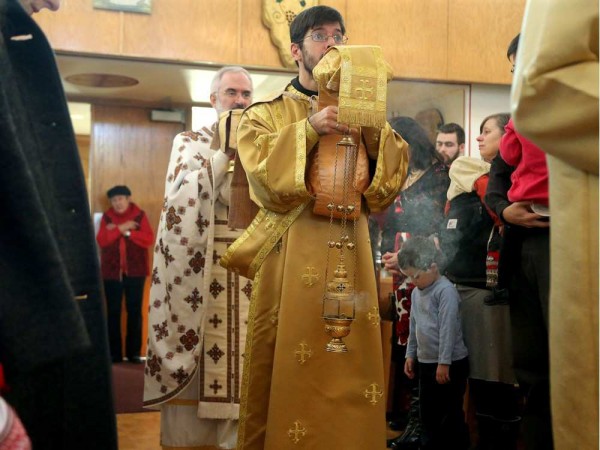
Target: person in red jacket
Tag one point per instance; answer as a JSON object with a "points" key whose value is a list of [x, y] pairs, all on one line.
{"points": [[124, 238]]}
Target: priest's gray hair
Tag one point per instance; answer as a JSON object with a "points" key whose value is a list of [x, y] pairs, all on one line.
{"points": [[216, 81]]}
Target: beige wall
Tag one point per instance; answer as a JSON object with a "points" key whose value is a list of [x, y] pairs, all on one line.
{"points": [[451, 40]]}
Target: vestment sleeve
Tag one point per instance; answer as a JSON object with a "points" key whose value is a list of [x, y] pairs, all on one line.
{"points": [[275, 157], [195, 172], [391, 167], [555, 88]]}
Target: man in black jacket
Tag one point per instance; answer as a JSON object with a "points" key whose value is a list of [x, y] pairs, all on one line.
{"points": [[53, 344]]}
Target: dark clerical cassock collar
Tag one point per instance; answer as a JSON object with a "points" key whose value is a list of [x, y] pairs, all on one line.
{"points": [[298, 86]]}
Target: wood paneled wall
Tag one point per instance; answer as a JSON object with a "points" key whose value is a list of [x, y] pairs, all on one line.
{"points": [[127, 148], [412, 34], [83, 145], [477, 43], [446, 40]]}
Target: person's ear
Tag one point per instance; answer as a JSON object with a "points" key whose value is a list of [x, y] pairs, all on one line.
{"points": [[296, 51], [213, 99], [461, 149]]}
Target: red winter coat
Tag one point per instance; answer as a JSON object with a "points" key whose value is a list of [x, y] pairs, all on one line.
{"points": [[120, 254]]}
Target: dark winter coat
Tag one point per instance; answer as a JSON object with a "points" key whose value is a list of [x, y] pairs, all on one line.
{"points": [[53, 344]]}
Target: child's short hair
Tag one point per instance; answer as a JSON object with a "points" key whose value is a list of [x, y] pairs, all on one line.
{"points": [[418, 252]]}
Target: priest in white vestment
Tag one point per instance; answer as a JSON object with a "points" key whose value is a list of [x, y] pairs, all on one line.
{"points": [[198, 310]]}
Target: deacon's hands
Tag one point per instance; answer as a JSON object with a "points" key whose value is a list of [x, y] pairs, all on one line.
{"points": [[325, 122]]}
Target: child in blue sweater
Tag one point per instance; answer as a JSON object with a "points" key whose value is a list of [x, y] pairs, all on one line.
{"points": [[436, 341]]}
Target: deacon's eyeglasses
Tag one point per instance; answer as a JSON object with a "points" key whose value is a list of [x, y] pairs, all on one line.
{"points": [[318, 36]]}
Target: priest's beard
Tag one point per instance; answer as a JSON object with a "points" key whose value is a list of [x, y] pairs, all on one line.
{"points": [[309, 61]]}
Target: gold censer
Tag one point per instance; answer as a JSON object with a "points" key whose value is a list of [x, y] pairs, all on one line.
{"points": [[339, 306]]}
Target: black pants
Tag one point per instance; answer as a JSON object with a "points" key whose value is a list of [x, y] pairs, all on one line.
{"points": [[134, 292], [442, 407], [529, 296], [403, 386], [495, 399]]}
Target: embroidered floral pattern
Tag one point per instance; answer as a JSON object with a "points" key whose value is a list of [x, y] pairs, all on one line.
{"points": [[197, 262], [172, 218], [200, 158], [164, 250], [216, 257], [247, 289], [189, 340], [216, 386], [193, 135], [215, 353], [175, 346], [153, 365], [202, 223], [155, 279], [161, 331], [215, 321], [180, 375], [216, 288], [194, 299]]}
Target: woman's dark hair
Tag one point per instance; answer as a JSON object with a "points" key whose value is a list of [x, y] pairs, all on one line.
{"points": [[500, 118], [312, 18], [421, 150], [513, 46]]}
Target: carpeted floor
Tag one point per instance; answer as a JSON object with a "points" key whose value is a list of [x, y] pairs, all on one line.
{"points": [[128, 386]]}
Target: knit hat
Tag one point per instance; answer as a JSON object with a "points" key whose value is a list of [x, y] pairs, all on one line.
{"points": [[118, 190]]}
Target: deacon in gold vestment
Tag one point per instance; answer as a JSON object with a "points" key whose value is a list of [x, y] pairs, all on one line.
{"points": [[295, 394], [555, 96]]}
